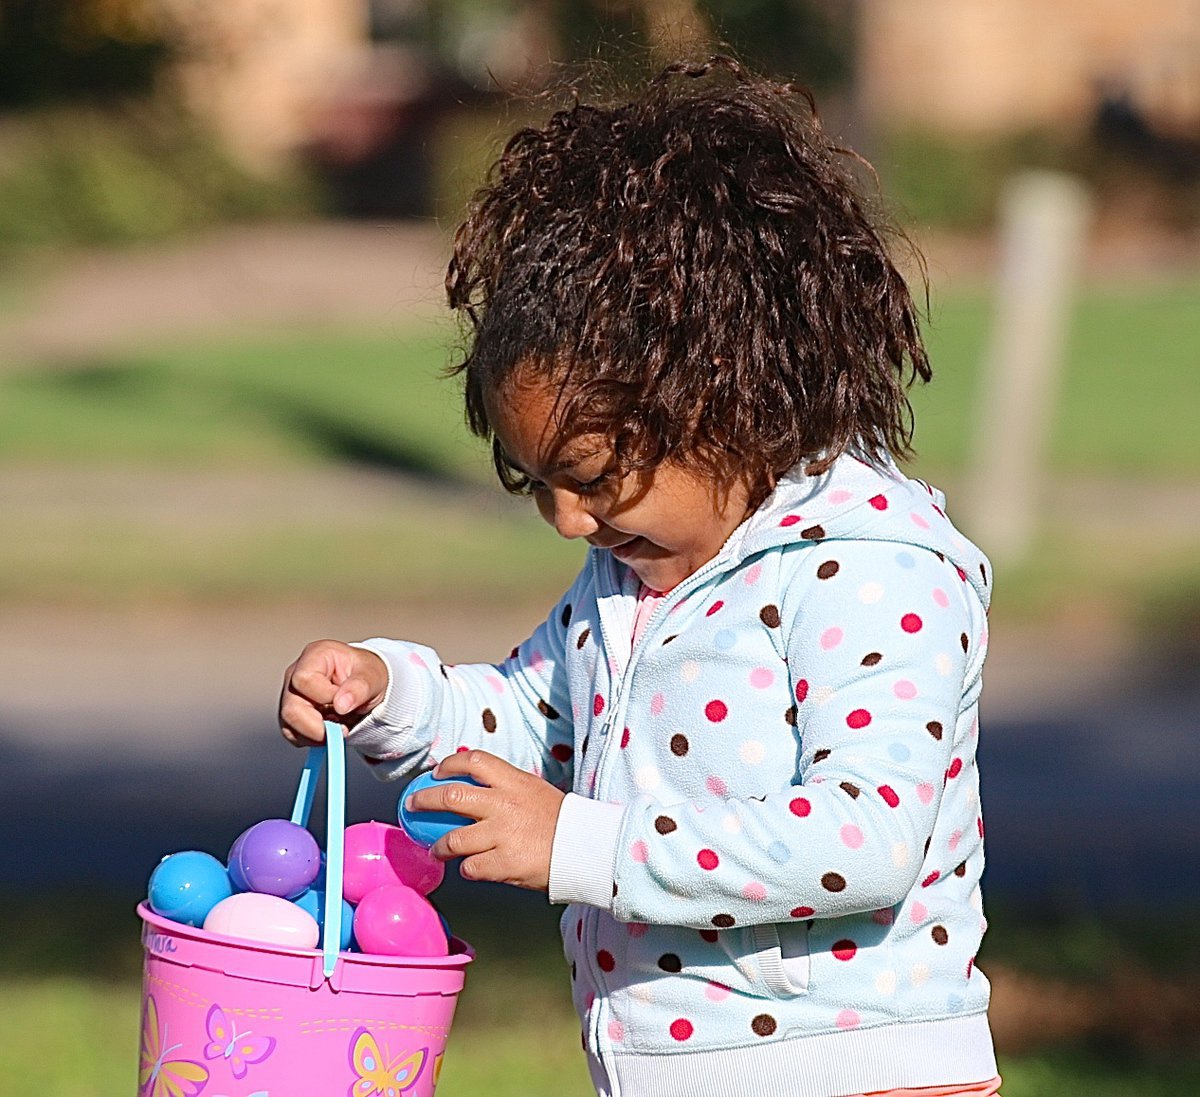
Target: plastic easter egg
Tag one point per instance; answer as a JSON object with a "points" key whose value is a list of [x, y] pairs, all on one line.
{"points": [[395, 920], [185, 886], [379, 853], [258, 917], [426, 827], [313, 901], [274, 857]]}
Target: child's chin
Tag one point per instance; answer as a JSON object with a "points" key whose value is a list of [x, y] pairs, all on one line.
{"points": [[659, 575]]}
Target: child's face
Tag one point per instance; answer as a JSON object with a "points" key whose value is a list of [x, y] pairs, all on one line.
{"points": [[664, 523]]}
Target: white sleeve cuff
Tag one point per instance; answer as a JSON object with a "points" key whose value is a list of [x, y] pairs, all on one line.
{"points": [[584, 855], [385, 733]]}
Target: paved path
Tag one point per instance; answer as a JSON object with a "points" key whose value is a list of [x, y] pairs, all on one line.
{"points": [[263, 277], [163, 738]]}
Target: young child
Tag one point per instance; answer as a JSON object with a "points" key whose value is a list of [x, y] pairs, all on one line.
{"points": [[742, 746]]}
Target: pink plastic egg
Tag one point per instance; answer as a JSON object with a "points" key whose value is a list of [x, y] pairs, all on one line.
{"points": [[395, 920], [379, 854], [258, 917]]}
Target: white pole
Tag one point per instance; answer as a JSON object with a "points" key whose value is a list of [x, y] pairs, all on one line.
{"points": [[1044, 217]]}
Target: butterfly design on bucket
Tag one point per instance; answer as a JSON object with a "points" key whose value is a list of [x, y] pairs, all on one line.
{"points": [[240, 1048], [159, 1075], [377, 1076]]}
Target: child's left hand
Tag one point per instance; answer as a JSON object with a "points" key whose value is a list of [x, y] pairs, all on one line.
{"points": [[516, 813]]}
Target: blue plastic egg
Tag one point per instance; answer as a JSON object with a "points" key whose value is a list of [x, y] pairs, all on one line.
{"points": [[186, 886], [426, 827], [313, 901]]}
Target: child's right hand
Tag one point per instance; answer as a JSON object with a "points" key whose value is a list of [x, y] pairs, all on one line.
{"points": [[330, 681]]}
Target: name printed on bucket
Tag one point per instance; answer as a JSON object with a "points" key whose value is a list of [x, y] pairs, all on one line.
{"points": [[160, 943]]}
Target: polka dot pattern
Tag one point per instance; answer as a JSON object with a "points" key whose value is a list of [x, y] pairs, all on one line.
{"points": [[682, 1029], [842, 659], [716, 711], [763, 1025]]}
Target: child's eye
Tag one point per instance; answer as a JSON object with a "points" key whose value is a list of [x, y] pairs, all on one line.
{"points": [[590, 487]]}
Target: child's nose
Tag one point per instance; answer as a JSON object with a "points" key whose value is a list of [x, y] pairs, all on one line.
{"points": [[569, 517]]}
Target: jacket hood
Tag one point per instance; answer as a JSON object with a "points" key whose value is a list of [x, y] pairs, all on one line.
{"points": [[858, 501]]}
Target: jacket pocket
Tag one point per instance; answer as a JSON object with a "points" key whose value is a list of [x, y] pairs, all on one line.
{"points": [[781, 956]]}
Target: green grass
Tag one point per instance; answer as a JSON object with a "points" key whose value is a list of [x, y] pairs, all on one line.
{"points": [[1126, 399], [1127, 404], [378, 400]]}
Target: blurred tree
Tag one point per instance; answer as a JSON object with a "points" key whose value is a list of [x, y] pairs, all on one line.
{"points": [[55, 51], [514, 41], [809, 39], [812, 40]]}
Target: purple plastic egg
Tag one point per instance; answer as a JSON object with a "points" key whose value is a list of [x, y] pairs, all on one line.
{"points": [[395, 920], [274, 857]]}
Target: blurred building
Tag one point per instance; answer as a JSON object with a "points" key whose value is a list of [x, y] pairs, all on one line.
{"points": [[358, 84], [994, 66], [259, 68]]}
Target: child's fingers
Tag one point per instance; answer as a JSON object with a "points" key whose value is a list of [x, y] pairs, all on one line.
{"points": [[301, 718], [486, 768], [353, 694], [468, 841], [328, 679], [301, 724], [454, 796], [313, 683], [487, 865]]}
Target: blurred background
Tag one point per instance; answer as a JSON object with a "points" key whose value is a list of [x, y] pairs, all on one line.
{"points": [[223, 433]]}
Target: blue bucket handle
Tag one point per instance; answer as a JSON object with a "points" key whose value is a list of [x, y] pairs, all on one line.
{"points": [[335, 827]]}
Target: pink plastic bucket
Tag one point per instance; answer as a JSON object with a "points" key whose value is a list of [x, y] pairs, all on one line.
{"points": [[225, 1017]]}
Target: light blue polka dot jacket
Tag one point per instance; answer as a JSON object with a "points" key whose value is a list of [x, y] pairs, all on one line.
{"points": [[773, 846]]}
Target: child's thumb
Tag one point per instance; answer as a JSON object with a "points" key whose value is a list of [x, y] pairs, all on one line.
{"points": [[352, 694]]}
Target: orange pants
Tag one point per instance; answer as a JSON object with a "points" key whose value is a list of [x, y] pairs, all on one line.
{"points": [[975, 1089]]}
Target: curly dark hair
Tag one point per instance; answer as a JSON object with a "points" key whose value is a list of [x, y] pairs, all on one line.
{"points": [[699, 273]]}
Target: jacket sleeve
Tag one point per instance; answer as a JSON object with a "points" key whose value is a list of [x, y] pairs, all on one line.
{"points": [[875, 740], [518, 709]]}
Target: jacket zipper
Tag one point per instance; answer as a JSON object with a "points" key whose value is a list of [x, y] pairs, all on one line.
{"points": [[616, 707]]}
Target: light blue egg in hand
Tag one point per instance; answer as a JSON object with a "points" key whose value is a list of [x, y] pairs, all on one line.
{"points": [[426, 827]]}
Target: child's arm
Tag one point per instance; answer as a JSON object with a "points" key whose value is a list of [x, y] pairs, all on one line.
{"points": [[876, 742], [406, 709]]}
